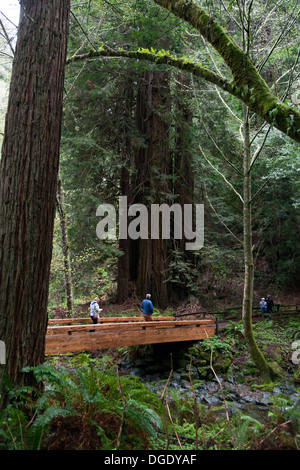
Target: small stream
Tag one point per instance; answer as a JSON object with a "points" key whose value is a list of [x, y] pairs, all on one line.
{"points": [[239, 397]]}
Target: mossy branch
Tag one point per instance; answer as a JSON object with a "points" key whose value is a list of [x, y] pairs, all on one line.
{"points": [[249, 86], [258, 97], [161, 58]]}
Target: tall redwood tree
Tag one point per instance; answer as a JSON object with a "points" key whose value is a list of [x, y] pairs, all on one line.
{"points": [[152, 164], [28, 179]]}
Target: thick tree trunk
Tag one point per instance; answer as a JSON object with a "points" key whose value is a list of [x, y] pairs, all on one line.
{"points": [[65, 246], [125, 186], [28, 178], [124, 243], [152, 162]]}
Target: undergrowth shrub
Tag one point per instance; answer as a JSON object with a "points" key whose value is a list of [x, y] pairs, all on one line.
{"points": [[84, 395]]}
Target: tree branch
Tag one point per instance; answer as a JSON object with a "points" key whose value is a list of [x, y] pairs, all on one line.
{"points": [[221, 174], [218, 217], [5, 35], [160, 58]]}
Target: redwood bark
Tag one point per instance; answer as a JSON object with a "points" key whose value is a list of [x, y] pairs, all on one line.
{"points": [[152, 162], [28, 181], [124, 243], [125, 187]]}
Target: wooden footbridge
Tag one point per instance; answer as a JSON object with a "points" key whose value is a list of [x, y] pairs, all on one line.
{"points": [[80, 334]]}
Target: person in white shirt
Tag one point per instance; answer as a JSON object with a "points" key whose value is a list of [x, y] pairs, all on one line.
{"points": [[95, 310], [263, 306]]}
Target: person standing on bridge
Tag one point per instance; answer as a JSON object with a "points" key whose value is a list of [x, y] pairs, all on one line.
{"points": [[263, 307], [95, 310], [147, 307]]}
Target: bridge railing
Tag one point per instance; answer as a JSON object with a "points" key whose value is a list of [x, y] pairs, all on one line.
{"points": [[235, 313]]}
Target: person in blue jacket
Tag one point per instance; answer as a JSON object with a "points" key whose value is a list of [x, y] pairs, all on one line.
{"points": [[147, 307]]}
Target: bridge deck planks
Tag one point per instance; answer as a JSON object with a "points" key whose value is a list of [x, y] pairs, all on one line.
{"points": [[76, 338]]}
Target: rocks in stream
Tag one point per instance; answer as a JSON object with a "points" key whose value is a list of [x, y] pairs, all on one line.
{"points": [[223, 387]]}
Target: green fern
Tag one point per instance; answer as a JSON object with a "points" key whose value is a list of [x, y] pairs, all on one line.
{"points": [[144, 417], [84, 390], [88, 390], [245, 430], [42, 424]]}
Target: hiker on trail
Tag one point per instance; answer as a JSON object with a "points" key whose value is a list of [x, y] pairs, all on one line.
{"points": [[95, 309], [264, 308], [270, 303], [263, 305], [147, 307]]}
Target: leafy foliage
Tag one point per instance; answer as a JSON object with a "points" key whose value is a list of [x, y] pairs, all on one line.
{"points": [[86, 391]]}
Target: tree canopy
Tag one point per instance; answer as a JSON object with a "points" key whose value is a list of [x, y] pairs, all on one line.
{"points": [[245, 82]]}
